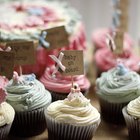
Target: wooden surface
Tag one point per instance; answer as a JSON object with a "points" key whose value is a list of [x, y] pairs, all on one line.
{"points": [[104, 132]]}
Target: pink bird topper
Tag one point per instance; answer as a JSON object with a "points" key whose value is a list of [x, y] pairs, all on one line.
{"points": [[3, 95], [58, 62]]}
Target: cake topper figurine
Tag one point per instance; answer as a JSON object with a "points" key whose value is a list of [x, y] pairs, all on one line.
{"points": [[58, 63], [122, 70]]}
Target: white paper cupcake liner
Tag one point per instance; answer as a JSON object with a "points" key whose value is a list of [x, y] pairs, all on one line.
{"points": [[133, 125], [61, 131], [4, 131], [112, 109], [28, 123]]}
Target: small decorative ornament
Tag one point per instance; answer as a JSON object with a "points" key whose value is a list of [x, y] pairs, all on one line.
{"points": [[17, 79], [58, 62], [122, 70], [42, 39]]}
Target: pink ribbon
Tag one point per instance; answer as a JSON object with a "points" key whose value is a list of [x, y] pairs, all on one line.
{"points": [[110, 42], [59, 63]]}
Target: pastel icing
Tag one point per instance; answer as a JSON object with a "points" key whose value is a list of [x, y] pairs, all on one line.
{"points": [[99, 38], [75, 110], [25, 93], [62, 84], [104, 63], [7, 114], [118, 88], [133, 108]]}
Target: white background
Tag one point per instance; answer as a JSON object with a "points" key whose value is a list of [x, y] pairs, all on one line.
{"points": [[98, 13]]}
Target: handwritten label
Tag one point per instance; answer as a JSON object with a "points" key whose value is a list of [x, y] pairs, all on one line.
{"points": [[24, 52], [7, 63], [119, 42], [57, 37], [73, 61]]}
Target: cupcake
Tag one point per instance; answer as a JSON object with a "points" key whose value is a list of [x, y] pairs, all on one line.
{"points": [[29, 99], [104, 63], [59, 86], [73, 118], [115, 89], [99, 38], [34, 17], [131, 115], [7, 112]]}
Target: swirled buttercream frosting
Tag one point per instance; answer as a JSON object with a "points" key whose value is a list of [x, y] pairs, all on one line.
{"points": [[75, 109], [25, 93], [118, 85], [62, 84], [7, 114], [133, 108]]}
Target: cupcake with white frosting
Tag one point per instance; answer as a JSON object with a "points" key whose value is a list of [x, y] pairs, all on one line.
{"points": [[115, 89], [131, 115], [7, 112], [73, 118], [29, 99]]}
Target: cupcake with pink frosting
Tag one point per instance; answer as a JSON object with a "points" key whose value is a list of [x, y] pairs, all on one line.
{"points": [[60, 86], [105, 60], [99, 38], [26, 21], [73, 118]]}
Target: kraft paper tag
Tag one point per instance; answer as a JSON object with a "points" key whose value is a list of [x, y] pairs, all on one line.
{"points": [[124, 15], [24, 52], [7, 63], [73, 61], [118, 39], [57, 37]]}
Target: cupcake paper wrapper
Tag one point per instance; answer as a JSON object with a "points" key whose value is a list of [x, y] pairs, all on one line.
{"points": [[133, 125], [61, 96], [112, 112], [29, 123], [61, 131], [4, 131]]}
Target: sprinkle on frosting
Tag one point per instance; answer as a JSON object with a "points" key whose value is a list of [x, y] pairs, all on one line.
{"points": [[75, 109]]}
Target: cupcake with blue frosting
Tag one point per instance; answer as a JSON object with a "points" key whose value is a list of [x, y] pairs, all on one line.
{"points": [[115, 89], [29, 99]]}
